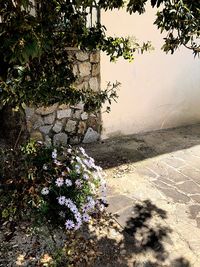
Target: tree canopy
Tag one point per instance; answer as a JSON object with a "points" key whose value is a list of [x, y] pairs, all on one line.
{"points": [[34, 36]]}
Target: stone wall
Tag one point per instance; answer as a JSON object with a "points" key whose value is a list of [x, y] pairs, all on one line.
{"points": [[67, 124]]}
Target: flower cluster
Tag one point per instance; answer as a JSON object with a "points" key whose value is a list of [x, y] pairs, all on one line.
{"points": [[76, 188]]}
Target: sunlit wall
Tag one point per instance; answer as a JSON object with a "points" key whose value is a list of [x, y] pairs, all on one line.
{"points": [[157, 90]]}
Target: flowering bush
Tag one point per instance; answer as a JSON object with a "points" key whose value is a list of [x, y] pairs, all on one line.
{"points": [[71, 187], [63, 185]]}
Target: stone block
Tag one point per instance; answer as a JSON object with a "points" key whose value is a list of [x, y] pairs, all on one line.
{"points": [[64, 113], [84, 116], [95, 57], [82, 56], [81, 127], [84, 69], [36, 135], [29, 112], [78, 106], [94, 84], [46, 110], [45, 129], [49, 119], [91, 136], [57, 127], [77, 114], [70, 126], [47, 141], [60, 139], [75, 70], [74, 141], [37, 121], [63, 106], [95, 69]]}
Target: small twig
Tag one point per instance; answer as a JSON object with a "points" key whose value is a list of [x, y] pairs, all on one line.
{"points": [[20, 132]]}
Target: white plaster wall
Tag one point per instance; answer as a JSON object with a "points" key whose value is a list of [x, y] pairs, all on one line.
{"points": [[157, 90]]}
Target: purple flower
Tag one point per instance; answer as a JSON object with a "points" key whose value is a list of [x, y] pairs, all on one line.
{"points": [[68, 202], [73, 208], [54, 154], [68, 182], [69, 224], [86, 176], [59, 181], [78, 225], [86, 217], [61, 200]]}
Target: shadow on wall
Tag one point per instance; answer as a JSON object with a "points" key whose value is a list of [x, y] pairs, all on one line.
{"points": [[133, 148], [143, 243]]}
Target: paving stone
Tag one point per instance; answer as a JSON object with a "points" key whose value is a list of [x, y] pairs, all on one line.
{"points": [[146, 172], [191, 173], [166, 180], [194, 210], [196, 197], [160, 184], [176, 176], [174, 162], [124, 216], [194, 161], [119, 202], [189, 187], [198, 222], [175, 195]]}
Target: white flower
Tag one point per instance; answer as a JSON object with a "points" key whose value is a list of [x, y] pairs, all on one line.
{"points": [[83, 151], [78, 160], [62, 214], [45, 167], [101, 207], [69, 224], [61, 200], [78, 183], [54, 154], [69, 150], [59, 181], [68, 182], [45, 191], [58, 163]]}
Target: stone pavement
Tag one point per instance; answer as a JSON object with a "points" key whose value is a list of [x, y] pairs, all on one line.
{"points": [[154, 190]]}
